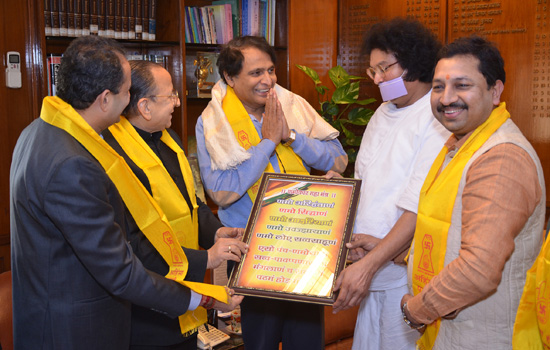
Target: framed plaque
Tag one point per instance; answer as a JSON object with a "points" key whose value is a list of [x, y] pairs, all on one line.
{"points": [[296, 233]]}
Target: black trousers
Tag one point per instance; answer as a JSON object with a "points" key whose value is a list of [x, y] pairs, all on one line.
{"points": [[266, 322]]}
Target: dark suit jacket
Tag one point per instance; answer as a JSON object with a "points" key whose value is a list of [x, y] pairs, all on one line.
{"points": [[74, 273], [148, 327]]}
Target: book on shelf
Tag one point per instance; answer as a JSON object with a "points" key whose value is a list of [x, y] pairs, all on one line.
{"points": [[94, 17], [110, 18], [118, 19], [152, 19], [53, 61], [102, 18], [145, 19], [161, 58], [244, 17], [48, 17], [138, 20], [55, 17], [63, 21], [78, 17], [86, 17], [71, 29], [131, 19], [218, 18], [254, 17], [235, 21], [125, 20]]}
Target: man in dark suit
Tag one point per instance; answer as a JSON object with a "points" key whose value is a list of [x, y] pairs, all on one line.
{"points": [[144, 132], [74, 273]]}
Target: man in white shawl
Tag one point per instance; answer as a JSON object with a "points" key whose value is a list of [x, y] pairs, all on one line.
{"points": [[400, 144], [250, 126]]}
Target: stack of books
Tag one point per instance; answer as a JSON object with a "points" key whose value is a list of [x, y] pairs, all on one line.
{"points": [[118, 19], [226, 19], [54, 60]]}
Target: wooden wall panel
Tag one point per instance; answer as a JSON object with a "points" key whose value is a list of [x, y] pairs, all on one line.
{"points": [[312, 33], [521, 30], [18, 107]]}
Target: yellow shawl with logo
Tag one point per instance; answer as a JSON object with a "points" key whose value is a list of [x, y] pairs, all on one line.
{"points": [[165, 191], [145, 211], [435, 208], [246, 134]]}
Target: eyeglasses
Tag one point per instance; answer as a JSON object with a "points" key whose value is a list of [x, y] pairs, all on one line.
{"points": [[174, 96], [380, 70]]}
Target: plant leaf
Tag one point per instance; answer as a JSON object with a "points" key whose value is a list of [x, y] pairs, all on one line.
{"points": [[339, 76], [321, 89], [346, 94], [330, 108], [366, 101], [310, 73], [360, 116]]}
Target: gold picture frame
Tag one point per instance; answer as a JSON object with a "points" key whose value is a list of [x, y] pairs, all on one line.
{"points": [[297, 234]]}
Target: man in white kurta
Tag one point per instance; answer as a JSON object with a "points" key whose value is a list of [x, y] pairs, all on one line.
{"points": [[399, 146]]}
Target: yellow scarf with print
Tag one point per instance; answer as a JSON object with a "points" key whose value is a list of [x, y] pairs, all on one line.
{"points": [[435, 208], [165, 191], [246, 134], [145, 211], [532, 326]]}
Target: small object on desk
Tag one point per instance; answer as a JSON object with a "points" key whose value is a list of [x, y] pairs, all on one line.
{"points": [[230, 330], [236, 320], [212, 337]]}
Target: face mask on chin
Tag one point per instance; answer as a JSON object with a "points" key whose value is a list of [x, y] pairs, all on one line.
{"points": [[393, 89]]}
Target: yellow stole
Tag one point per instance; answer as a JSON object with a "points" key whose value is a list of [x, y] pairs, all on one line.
{"points": [[165, 191], [435, 208], [145, 211], [532, 326], [247, 136]]}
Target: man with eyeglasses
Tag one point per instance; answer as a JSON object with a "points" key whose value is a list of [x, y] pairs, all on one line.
{"points": [[399, 145], [155, 155]]}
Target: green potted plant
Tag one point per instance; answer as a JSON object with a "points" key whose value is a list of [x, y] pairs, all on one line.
{"points": [[344, 110]]}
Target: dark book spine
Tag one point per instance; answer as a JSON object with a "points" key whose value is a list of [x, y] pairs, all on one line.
{"points": [[145, 19], [70, 18], [110, 15], [63, 19], [131, 19], [77, 17], [53, 66], [102, 18], [138, 28], [47, 17], [86, 22], [118, 19], [125, 19], [55, 17], [94, 17], [152, 19]]}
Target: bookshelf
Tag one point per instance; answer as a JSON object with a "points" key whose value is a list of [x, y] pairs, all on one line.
{"points": [[305, 34], [168, 42]]}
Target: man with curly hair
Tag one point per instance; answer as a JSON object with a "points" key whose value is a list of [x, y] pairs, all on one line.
{"points": [[398, 147]]}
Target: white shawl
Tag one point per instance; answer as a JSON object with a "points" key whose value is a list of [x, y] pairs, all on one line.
{"points": [[221, 143]]}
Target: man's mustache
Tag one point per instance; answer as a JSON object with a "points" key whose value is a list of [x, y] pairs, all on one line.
{"points": [[441, 107]]}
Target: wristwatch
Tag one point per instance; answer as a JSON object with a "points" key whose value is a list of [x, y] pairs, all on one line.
{"points": [[408, 322], [291, 138]]}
